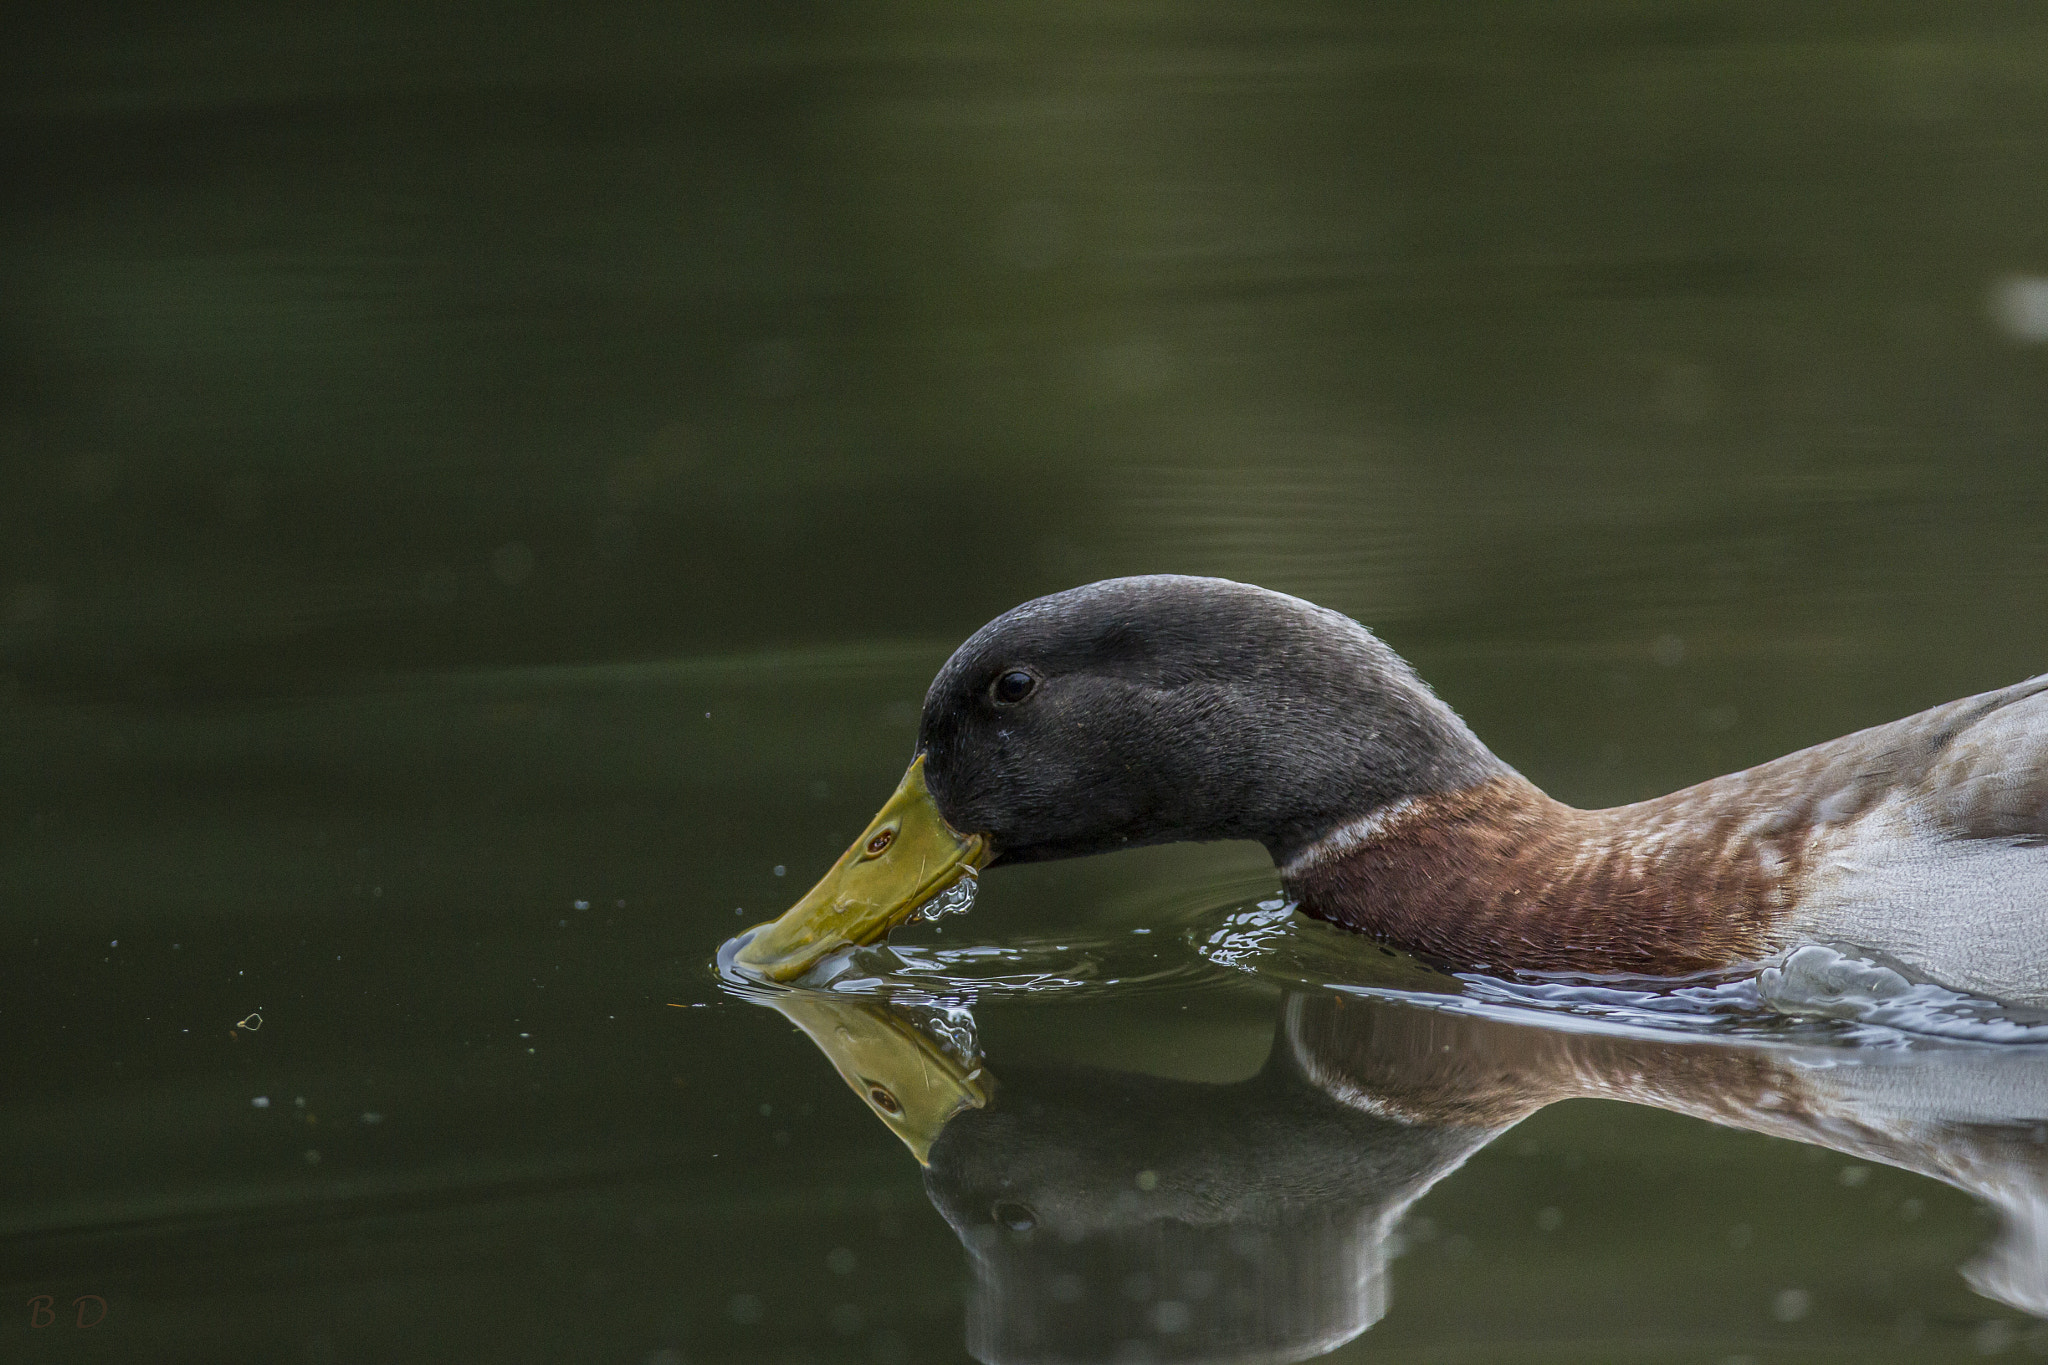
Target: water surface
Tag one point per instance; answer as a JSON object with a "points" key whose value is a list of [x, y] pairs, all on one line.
{"points": [[483, 494]]}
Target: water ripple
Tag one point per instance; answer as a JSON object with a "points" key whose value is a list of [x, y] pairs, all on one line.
{"points": [[1812, 994], [1815, 994]]}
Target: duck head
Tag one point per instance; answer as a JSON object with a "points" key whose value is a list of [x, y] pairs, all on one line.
{"points": [[1129, 712]]}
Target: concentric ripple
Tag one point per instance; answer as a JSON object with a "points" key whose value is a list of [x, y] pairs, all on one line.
{"points": [[1158, 955]]}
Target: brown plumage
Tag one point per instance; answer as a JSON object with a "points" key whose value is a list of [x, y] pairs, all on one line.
{"points": [[1500, 875]]}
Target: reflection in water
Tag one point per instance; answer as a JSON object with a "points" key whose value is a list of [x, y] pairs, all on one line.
{"points": [[915, 1066], [1118, 1216]]}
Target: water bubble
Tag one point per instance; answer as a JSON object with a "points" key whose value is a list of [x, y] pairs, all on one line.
{"points": [[2019, 306], [1993, 1338], [1791, 1305], [956, 899], [1170, 1317]]}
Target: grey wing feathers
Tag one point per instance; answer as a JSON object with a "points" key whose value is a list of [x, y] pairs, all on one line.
{"points": [[1990, 779]]}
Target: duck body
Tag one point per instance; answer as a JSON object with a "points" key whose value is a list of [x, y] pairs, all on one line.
{"points": [[1922, 840], [1165, 708]]}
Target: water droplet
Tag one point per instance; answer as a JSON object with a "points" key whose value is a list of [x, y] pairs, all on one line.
{"points": [[1170, 1317], [1791, 1305]]}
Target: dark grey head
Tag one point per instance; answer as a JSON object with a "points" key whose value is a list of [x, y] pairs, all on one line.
{"points": [[1165, 708]]}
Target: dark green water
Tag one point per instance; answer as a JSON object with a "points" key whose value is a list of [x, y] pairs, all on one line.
{"points": [[482, 493]]}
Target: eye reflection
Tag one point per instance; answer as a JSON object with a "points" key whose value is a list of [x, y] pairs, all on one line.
{"points": [[1014, 1216]]}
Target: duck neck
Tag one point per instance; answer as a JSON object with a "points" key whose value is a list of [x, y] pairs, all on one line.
{"points": [[1499, 876], [1365, 760]]}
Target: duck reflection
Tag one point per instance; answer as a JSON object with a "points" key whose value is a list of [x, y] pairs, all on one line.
{"points": [[1117, 1216]]}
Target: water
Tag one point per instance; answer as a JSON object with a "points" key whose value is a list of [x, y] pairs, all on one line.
{"points": [[483, 496]]}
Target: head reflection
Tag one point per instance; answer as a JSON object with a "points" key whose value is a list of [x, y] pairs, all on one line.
{"points": [[1112, 1216], [1120, 1217]]}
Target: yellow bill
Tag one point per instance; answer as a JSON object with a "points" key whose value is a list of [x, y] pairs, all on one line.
{"points": [[908, 855]]}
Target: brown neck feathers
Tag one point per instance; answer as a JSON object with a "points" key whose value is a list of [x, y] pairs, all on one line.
{"points": [[1500, 876]]}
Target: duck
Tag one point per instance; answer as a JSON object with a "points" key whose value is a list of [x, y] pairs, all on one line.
{"points": [[1166, 708]]}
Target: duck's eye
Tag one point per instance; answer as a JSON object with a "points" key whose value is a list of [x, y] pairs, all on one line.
{"points": [[1013, 687]]}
